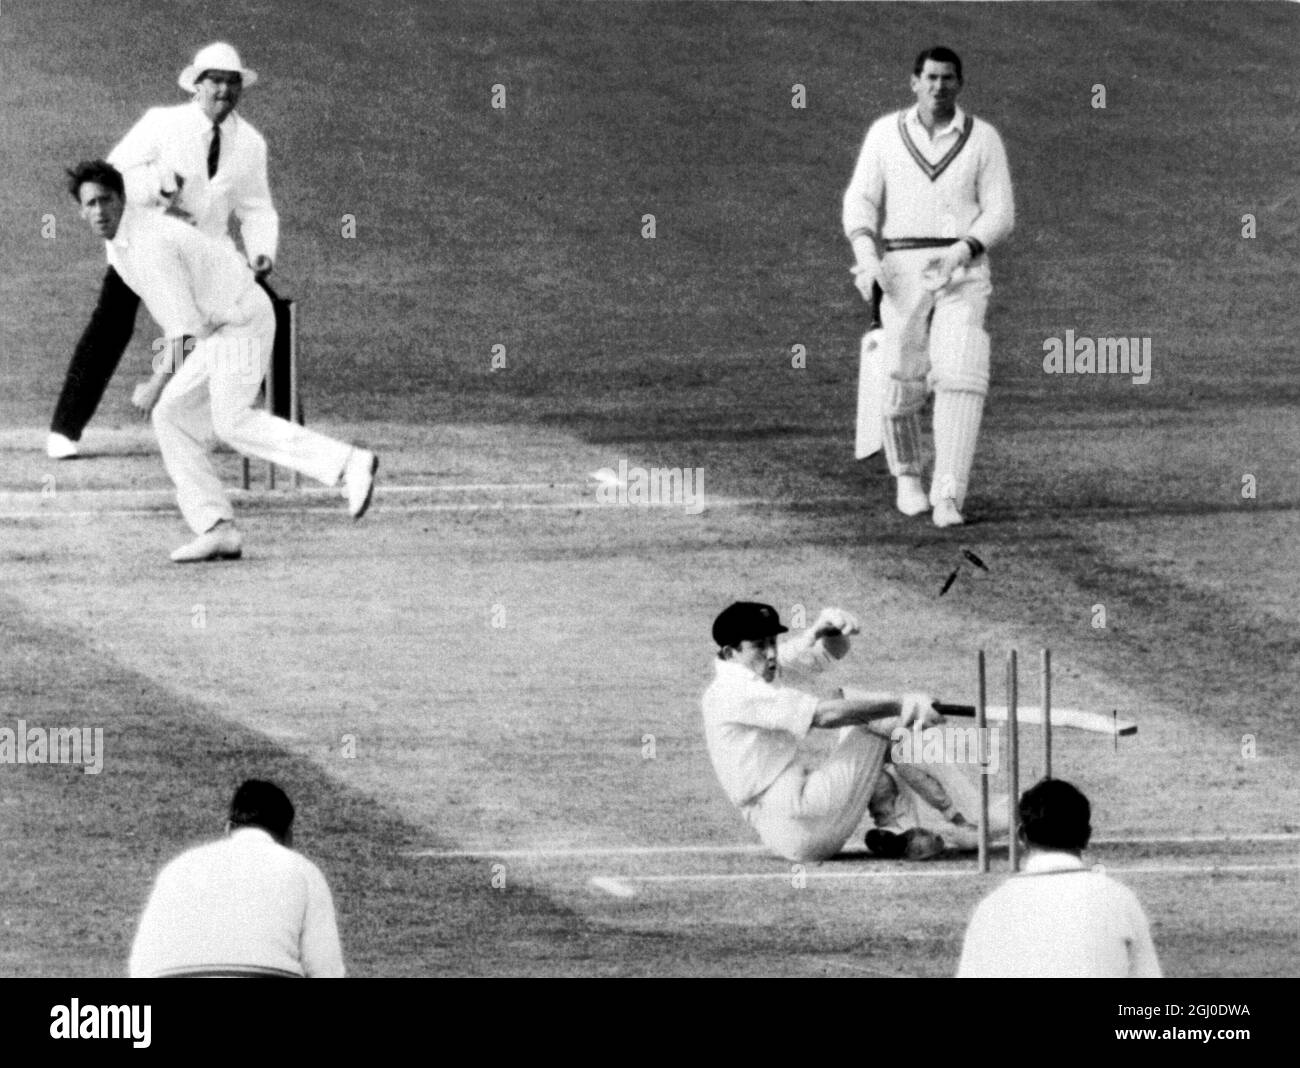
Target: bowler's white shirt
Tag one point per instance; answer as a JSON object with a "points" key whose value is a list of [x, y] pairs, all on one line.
{"points": [[1059, 919], [243, 902], [753, 728], [892, 195], [190, 283], [175, 140]]}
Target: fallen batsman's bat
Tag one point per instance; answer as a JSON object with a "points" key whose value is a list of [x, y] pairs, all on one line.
{"points": [[1095, 722]]}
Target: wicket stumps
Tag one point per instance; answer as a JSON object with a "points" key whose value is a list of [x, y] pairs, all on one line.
{"points": [[1013, 751], [273, 405]]}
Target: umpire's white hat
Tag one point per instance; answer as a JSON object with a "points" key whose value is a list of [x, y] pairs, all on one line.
{"points": [[218, 56]]}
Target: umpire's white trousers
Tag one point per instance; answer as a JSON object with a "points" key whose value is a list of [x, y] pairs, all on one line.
{"points": [[213, 392], [808, 815]]}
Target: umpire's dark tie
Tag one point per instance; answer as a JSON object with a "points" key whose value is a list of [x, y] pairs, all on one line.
{"points": [[214, 150]]}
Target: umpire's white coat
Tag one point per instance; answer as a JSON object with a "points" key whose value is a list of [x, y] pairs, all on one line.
{"points": [[174, 141]]}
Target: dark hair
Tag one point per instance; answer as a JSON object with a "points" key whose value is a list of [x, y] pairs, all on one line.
{"points": [[940, 55], [98, 171], [262, 804], [1055, 815]]}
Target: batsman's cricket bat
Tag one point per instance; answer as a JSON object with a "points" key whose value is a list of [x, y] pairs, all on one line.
{"points": [[1077, 718], [871, 398]]}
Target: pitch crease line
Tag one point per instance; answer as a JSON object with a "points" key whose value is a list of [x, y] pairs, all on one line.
{"points": [[964, 872], [402, 509], [734, 850]]}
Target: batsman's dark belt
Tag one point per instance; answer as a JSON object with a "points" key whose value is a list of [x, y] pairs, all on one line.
{"points": [[906, 244]]}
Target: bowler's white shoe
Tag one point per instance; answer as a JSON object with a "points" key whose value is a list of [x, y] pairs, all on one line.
{"points": [[222, 542], [911, 498], [359, 481], [946, 514], [57, 447]]}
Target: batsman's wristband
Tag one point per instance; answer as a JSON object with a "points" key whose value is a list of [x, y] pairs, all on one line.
{"points": [[976, 246]]}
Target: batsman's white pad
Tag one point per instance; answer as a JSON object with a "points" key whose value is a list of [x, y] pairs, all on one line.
{"points": [[905, 445], [959, 355], [956, 431], [872, 377], [904, 396]]}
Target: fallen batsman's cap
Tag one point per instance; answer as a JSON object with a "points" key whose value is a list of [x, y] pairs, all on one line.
{"points": [[218, 56], [746, 621]]}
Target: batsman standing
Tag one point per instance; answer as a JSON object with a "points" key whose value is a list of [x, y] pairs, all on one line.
{"points": [[930, 195]]}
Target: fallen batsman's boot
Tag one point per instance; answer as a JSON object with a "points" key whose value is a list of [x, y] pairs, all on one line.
{"points": [[920, 844], [888, 844]]}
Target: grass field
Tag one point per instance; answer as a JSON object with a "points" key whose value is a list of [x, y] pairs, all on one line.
{"points": [[486, 695]]}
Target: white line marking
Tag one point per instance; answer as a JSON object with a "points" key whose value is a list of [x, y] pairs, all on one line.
{"points": [[1193, 839], [560, 853], [281, 493], [614, 887], [953, 873], [592, 851], [410, 509], [863, 969]]}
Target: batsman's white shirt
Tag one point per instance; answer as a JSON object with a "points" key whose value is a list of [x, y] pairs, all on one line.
{"points": [[175, 140], [907, 184], [243, 903], [753, 728], [1058, 919]]}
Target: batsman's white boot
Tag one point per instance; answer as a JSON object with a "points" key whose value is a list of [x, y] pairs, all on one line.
{"points": [[359, 480], [911, 498], [58, 447], [920, 844], [222, 542], [946, 514]]}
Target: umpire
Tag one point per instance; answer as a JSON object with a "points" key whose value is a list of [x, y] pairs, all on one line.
{"points": [[203, 163]]}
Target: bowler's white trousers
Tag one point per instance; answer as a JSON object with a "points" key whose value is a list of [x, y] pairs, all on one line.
{"points": [[213, 392]]}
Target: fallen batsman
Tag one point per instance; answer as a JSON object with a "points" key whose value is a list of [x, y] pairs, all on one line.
{"points": [[805, 806]]}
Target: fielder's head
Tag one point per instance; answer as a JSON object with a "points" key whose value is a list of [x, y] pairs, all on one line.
{"points": [[263, 804], [216, 78], [1055, 815], [98, 188], [745, 633]]}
